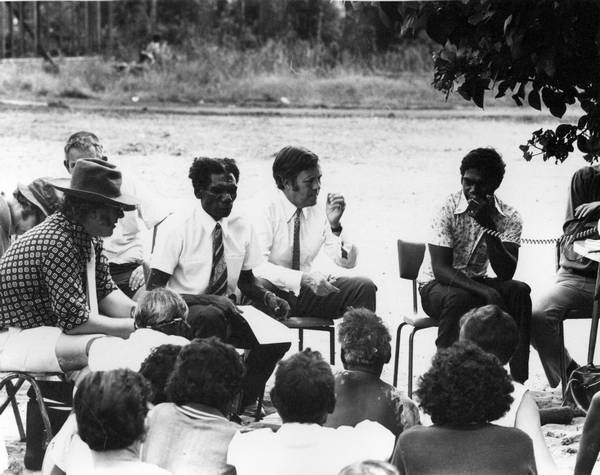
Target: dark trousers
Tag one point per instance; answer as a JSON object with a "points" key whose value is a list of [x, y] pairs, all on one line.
{"points": [[206, 321], [354, 292], [446, 304], [120, 274]]}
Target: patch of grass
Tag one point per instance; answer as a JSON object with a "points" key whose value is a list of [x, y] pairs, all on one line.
{"points": [[306, 76]]}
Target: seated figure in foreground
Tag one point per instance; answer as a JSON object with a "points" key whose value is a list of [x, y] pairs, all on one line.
{"points": [[464, 391], [474, 229], [111, 408], [589, 447], [156, 310], [304, 395], [67, 453], [359, 392], [190, 434], [495, 332], [47, 275]]}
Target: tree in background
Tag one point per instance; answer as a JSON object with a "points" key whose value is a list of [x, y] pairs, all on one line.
{"points": [[538, 51]]}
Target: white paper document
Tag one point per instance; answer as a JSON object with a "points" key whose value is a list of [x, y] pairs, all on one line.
{"points": [[267, 330]]}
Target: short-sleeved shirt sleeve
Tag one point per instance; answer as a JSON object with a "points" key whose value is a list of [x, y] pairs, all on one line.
{"points": [[168, 245], [254, 256], [441, 227]]}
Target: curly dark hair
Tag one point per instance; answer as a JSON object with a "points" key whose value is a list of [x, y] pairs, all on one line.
{"points": [[208, 372], [110, 408], [204, 167], [364, 339], [290, 161], [488, 162], [157, 367], [304, 388], [492, 329], [465, 385]]}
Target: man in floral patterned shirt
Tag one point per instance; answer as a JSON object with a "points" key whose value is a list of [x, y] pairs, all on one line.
{"points": [[47, 317], [456, 280]]}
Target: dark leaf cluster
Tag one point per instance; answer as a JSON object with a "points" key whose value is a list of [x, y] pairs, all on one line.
{"points": [[539, 52]]}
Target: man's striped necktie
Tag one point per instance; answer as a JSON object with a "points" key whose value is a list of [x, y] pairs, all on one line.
{"points": [[218, 273], [296, 245]]}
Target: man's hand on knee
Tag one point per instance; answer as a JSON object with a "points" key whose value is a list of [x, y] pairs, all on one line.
{"points": [[277, 307], [319, 283]]}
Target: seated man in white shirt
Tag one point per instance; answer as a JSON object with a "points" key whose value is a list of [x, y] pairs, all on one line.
{"points": [[304, 395], [291, 231], [125, 248], [205, 254]]}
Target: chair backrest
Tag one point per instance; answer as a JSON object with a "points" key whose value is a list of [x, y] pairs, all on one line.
{"points": [[410, 258]]}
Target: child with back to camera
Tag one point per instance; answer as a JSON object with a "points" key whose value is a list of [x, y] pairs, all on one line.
{"points": [[159, 313]]}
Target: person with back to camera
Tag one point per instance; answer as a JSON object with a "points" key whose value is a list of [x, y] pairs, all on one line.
{"points": [[464, 391], [110, 408], [304, 395], [66, 451], [370, 467], [461, 250], [190, 434], [495, 332], [589, 446], [156, 311], [359, 391]]}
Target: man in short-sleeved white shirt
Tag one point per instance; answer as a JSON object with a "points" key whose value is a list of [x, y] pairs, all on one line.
{"points": [[206, 255], [456, 279]]}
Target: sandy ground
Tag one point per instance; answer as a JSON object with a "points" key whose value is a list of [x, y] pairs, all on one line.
{"points": [[393, 171]]}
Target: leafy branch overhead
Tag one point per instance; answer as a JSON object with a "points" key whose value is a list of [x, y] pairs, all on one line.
{"points": [[540, 52]]}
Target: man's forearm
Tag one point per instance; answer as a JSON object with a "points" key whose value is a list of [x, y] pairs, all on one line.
{"points": [[503, 262], [157, 279], [116, 305], [450, 276], [121, 327], [248, 285]]}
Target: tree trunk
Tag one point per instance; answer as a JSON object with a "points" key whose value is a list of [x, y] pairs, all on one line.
{"points": [[2, 30]]}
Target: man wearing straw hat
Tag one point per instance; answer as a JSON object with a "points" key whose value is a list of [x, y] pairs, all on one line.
{"points": [[56, 293]]}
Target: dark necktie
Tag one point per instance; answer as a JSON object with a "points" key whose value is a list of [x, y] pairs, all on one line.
{"points": [[218, 273], [296, 247]]}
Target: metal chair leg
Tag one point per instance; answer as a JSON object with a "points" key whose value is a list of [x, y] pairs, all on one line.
{"points": [[397, 355], [11, 391], [410, 360], [259, 404], [300, 339], [563, 366], [332, 346]]}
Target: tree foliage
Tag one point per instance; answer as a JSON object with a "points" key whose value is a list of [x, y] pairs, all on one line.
{"points": [[540, 52]]}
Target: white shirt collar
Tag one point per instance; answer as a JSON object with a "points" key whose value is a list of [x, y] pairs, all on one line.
{"points": [[289, 210], [208, 222], [463, 204]]}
